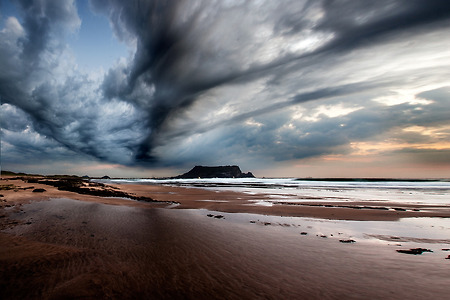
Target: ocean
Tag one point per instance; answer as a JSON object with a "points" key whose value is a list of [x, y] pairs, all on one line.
{"points": [[429, 192]]}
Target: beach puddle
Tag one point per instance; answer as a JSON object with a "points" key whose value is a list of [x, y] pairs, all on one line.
{"points": [[260, 202], [432, 233], [197, 253]]}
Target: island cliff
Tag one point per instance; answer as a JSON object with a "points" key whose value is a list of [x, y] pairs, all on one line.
{"points": [[216, 172]]}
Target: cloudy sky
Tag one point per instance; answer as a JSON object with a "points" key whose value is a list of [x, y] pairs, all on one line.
{"points": [[281, 88]]}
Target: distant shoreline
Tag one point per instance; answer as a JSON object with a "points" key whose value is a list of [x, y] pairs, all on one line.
{"points": [[299, 179], [331, 179]]}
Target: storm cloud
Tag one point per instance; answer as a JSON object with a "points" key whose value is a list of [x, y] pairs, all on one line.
{"points": [[225, 81]]}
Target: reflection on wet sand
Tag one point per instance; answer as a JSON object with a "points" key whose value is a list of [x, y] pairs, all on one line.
{"points": [[225, 247], [79, 249]]}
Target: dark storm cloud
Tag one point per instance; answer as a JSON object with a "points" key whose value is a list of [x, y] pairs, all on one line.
{"points": [[170, 39], [62, 105], [360, 22], [281, 138], [20, 143], [297, 99], [194, 59], [26, 53], [41, 19]]}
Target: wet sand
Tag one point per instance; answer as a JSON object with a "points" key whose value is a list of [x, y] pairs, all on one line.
{"points": [[235, 202], [81, 246]]}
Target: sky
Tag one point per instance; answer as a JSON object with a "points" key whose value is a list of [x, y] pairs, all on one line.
{"points": [[285, 88]]}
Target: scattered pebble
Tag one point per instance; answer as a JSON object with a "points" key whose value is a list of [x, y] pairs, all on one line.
{"points": [[347, 241], [414, 251], [303, 233]]}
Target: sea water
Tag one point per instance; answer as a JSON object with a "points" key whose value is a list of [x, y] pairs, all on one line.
{"points": [[432, 233], [432, 192]]}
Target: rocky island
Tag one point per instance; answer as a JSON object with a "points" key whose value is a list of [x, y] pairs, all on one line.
{"points": [[216, 172]]}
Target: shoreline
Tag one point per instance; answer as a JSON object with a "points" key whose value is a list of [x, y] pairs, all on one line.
{"points": [[239, 202], [224, 200]]}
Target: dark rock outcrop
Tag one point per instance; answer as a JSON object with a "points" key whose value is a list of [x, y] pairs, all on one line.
{"points": [[216, 172], [39, 190], [80, 186]]}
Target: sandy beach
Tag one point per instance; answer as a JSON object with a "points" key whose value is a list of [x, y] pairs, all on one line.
{"points": [[154, 149], [212, 244]]}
